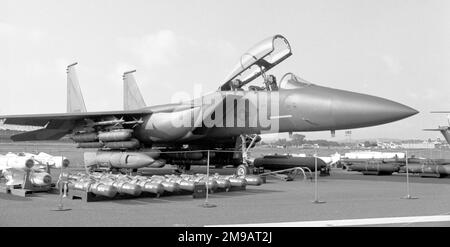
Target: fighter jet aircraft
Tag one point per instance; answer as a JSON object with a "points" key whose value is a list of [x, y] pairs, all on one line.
{"points": [[227, 121]]}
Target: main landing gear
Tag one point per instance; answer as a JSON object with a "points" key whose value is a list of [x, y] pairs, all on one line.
{"points": [[244, 168]]}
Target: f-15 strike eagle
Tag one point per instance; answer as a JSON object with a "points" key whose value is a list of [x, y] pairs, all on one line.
{"points": [[227, 121]]}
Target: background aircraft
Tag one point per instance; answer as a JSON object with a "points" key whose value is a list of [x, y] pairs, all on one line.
{"points": [[445, 130]]}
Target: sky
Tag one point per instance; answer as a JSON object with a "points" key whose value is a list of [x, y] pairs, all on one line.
{"points": [[396, 49]]}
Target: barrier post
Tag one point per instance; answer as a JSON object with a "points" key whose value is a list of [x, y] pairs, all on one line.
{"points": [[206, 204], [408, 196], [316, 189]]}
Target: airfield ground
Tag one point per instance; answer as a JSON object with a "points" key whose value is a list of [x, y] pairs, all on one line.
{"points": [[348, 195]]}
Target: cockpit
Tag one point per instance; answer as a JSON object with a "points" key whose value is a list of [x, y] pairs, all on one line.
{"points": [[256, 62]]}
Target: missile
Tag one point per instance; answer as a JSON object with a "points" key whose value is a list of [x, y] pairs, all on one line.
{"points": [[85, 137], [168, 186], [234, 181], [223, 184], [119, 159], [54, 161], [40, 178], [130, 144], [12, 161], [90, 144], [115, 135], [212, 185], [186, 185], [124, 187], [375, 166], [80, 185], [237, 182], [151, 187], [16, 176], [428, 166], [253, 180], [103, 190], [107, 122]]}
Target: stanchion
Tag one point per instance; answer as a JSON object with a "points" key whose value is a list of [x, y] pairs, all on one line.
{"points": [[408, 196], [206, 204], [316, 190], [62, 190]]}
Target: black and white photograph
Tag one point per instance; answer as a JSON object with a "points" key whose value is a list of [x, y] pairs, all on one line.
{"points": [[230, 115]]}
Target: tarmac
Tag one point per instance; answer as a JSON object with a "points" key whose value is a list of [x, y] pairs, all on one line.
{"points": [[368, 200]]}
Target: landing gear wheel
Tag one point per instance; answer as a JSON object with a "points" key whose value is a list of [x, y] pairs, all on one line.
{"points": [[242, 170]]}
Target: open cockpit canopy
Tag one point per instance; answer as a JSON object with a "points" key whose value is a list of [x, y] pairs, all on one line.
{"points": [[258, 60], [291, 81]]}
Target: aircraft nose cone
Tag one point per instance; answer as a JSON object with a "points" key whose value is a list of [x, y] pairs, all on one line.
{"points": [[360, 110]]}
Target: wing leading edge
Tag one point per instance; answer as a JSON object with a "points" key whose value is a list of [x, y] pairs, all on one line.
{"points": [[56, 126]]}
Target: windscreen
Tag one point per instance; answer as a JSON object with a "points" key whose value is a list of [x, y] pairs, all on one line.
{"points": [[291, 81]]}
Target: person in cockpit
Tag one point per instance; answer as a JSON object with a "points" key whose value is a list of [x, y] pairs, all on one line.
{"points": [[236, 84], [271, 83]]}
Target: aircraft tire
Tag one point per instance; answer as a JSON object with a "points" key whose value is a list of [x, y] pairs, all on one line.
{"points": [[242, 170]]}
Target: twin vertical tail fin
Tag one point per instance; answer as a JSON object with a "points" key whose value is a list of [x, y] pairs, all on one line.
{"points": [[75, 101], [446, 134], [132, 98]]}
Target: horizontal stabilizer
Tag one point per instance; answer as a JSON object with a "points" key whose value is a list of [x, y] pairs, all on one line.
{"points": [[41, 134]]}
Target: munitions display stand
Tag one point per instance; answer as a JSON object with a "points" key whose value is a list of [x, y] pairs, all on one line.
{"points": [[85, 196], [237, 188]]}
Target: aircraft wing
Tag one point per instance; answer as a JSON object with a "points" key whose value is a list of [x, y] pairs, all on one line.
{"points": [[54, 119], [58, 125]]}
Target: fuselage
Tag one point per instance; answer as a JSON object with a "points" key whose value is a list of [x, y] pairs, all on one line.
{"points": [[227, 114]]}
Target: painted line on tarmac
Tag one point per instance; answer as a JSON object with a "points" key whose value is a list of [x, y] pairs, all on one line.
{"points": [[348, 222]]}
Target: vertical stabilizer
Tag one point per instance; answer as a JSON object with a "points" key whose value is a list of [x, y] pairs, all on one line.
{"points": [[446, 133], [132, 98], [75, 101]]}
